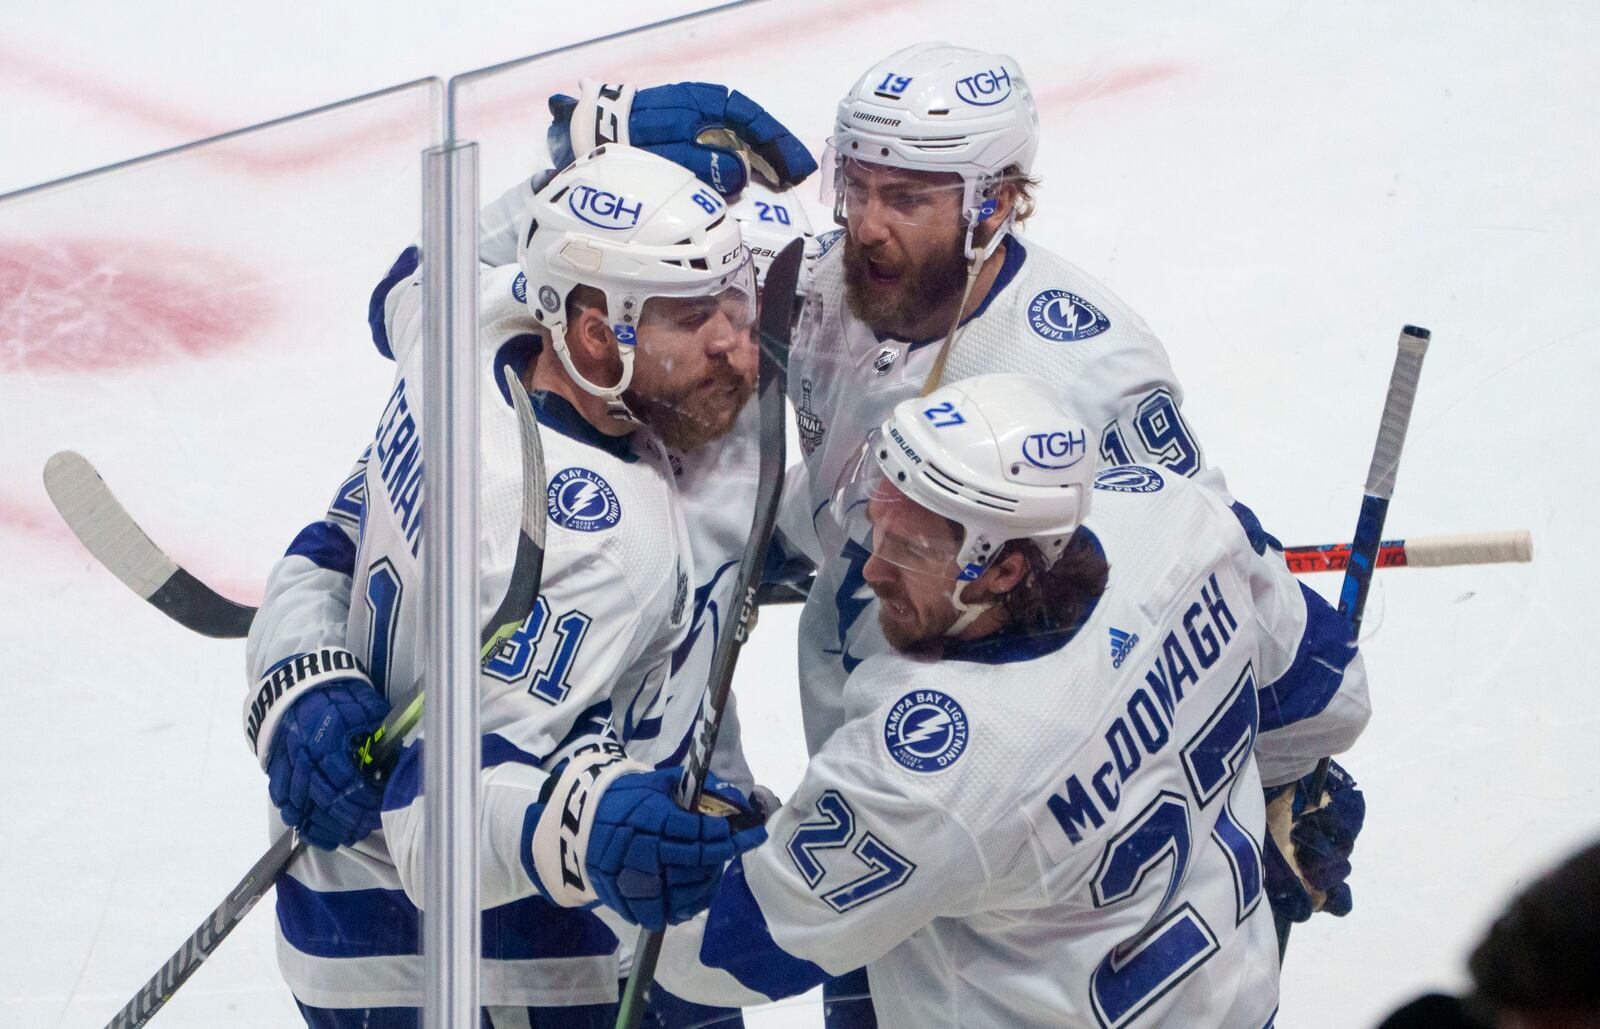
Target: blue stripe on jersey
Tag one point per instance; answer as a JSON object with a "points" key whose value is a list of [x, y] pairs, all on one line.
{"points": [[533, 928], [326, 546], [346, 923], [737, 939], [515, 353], [402, 268], [557, 412], [1010, 265], [405, 782], [378, 923], [1318, 669], [1260, 539]]}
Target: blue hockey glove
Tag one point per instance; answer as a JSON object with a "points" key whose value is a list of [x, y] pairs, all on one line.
{"points": [[611, 830], [1323, 837], [313, 774], [717, 134]]}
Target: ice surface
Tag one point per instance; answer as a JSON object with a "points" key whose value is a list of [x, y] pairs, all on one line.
{"points": [[1275, 188]]}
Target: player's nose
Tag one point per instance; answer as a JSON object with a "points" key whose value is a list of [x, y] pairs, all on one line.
{"points": [[877, 572], [869, 222], [722, 337]]}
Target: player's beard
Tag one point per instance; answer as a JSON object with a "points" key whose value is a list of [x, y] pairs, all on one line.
{"points": [[899, 309], [908, 628], [689, 418]]}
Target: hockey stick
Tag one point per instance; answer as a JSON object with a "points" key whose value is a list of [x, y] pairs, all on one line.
{"points": [[1364, 545], [777, 303], [1412, 347], [99, 520], [1471, 548], [106, 529], [378, 751]]}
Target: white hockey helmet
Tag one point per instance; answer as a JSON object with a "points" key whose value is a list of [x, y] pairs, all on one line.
{"points": [[636, 227], [769, 219], [936, 107], [997, 454]]}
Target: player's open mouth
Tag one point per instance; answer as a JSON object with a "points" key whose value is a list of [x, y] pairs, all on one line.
{"points": [[881, 274]]}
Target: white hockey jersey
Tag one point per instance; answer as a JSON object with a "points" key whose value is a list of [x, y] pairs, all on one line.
{"points": [[717, 489], [1042, 317], [1054, 830], [613, 605]]}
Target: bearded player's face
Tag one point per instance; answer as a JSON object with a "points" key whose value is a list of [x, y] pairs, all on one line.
{"points": [[912, 569], [903, 251], [694, 367]]}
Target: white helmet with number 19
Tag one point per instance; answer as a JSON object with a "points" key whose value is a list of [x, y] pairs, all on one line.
{"points": [[936, 107], [635, 227]]}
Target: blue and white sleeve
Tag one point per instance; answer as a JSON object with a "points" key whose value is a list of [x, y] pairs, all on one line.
{"points": [[1313, 684], [307, 602], [853, 865]]}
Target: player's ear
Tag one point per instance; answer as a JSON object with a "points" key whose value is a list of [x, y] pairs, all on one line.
{"points": [[590, 341], [1005, 199], [999, 578]]}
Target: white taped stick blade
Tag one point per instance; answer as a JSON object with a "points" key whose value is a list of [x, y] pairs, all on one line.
{"points": [[104, 527]]}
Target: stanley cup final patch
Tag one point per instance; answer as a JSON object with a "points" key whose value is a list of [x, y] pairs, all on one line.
{"points": [[581, 500], [926, 731]]}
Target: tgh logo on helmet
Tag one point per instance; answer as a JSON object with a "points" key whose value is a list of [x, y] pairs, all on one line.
{"points": [[985, 88], [604, 209], [1055, 450]]}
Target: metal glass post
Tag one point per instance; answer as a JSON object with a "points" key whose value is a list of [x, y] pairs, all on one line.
{"points": [[450, 583]]}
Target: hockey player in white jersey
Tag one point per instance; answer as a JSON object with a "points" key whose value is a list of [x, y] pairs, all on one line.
{"points": [[1043, 806], [929, 170], [640, 281]]}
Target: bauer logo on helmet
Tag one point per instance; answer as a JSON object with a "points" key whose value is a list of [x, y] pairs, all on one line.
{"points": [[985, 88], [604, 209]]}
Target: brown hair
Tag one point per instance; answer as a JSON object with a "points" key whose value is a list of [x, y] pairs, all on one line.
{"points": [[1022, 186], [1053, 599]]}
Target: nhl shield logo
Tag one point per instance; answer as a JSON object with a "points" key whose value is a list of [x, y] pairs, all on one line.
{"points": [[1063, 317], [885, 360], [580, 500], [926, 731]]}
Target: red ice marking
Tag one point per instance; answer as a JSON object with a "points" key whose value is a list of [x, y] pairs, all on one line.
{"points": [[1108, 84], [46, 526], [74, 305]]}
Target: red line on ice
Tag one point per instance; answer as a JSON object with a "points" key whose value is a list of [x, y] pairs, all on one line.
{"points": [[75, 304], [1107, 84]]}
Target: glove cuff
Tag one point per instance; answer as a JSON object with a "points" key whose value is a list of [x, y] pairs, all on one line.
{"points": [[561, 838], [288, 681], [601, 116]]}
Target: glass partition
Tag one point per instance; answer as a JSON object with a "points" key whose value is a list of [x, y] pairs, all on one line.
{"points": [[193, 324], [1273, 196]]}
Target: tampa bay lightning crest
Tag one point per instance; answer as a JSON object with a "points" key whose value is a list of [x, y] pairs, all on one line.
{"points": [[1063, 317], [1129, 478], [579, 499], [926, 731]]}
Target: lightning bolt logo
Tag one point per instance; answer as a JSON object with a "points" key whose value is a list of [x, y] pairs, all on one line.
{"points": [[935, 723], [579, 499], [926, 731]]}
